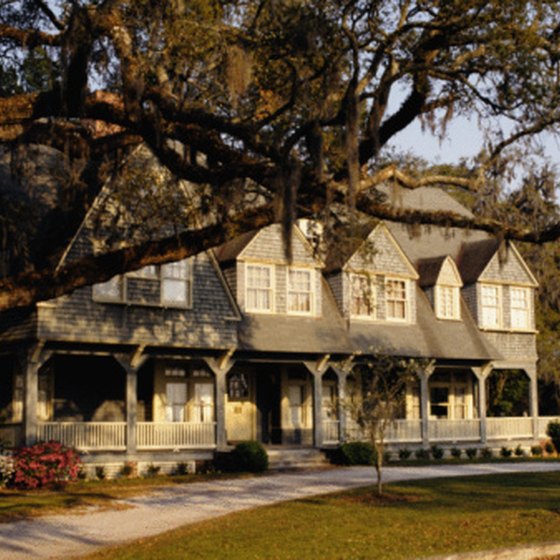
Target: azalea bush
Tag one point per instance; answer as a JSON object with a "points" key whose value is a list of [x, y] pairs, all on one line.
{"points": [[44, 464]]}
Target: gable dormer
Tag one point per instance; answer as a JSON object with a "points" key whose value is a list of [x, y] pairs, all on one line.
{"points": [[440, 279], [502, 287], [265, 282], [376, 281]]}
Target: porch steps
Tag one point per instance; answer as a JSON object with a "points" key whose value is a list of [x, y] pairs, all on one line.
{"points": [[280, 458]]}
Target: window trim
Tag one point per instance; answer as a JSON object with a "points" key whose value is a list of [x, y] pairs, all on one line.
{"points": [[528, 300], [372, 280], [271, 288], [439, 307], [406, 300], [159, 277], [499, 307], [312, 291]]}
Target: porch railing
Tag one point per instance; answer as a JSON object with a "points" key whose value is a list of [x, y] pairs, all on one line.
{"points": [[510, 427], [397, 431], [176, 435], [331, 431], [453, 430], [543, 424], [85, 435]]}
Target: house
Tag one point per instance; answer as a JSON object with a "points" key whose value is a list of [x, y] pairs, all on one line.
{"points": [[170, 363]]}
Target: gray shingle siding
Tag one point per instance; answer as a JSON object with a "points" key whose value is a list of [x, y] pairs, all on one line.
{"points": [[514, 345], [469, 294], [336, 284], [78, 318], [508, 270]]}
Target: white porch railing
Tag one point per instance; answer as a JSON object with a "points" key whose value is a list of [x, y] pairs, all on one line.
{"points": [[509, 428], [397, 431], [453, 430], [172, 435], [543, 424], [331, 431], [85, 435]]}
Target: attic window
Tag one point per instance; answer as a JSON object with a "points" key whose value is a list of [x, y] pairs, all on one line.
{"points": [[300, 291], [362, 298], [520, 308], [491, 305], [176, 283], [259, 291], [396, 299], [447, 302]]}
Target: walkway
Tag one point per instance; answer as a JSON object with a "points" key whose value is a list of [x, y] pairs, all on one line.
{"points": [[63, 536]]}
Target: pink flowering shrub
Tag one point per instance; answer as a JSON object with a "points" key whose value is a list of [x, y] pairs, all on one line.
{"points": [[44, 464]]}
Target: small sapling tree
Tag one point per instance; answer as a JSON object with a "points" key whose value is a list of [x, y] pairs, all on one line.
{"points": [[376, 398]]}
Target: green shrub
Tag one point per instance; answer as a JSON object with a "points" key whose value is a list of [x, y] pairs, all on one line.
{"points": [[153, 470], [404, 454], [437, 452], [130, 468], [100, 472], [182, 468], [456, 452], [536, 450], [422, 454], [505, 452], [553, 432], [387, 457], [548, 447], [355, 453], [519, 452], [249, 456], [471, 452], [486, 453]]}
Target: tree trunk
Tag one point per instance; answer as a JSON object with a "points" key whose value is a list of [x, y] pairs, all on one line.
{"points": [[379, 450]]}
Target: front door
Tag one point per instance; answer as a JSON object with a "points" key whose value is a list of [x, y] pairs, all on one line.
{"points": [[240, 411]]}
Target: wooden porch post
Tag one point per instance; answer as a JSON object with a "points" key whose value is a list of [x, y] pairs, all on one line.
{"points": [[531, 372], [131, 365], [30, 362], [424, 403], [482, 374], [317, 369], [221, 367]]}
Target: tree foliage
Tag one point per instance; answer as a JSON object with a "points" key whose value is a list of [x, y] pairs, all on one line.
{"points": [[270, 109]]}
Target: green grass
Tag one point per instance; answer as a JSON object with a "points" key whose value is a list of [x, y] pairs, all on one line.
{"points": [[414, 519], [18, 504]]}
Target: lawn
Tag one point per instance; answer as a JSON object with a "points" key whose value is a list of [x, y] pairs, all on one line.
{"points": [[415, 519]]}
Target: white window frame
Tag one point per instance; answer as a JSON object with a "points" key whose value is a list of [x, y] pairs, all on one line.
{"points": [[292, 291], [270, 288], [484, 323], [517, 311], [443, 310], [166, 274], [99, 295], [405, 301], [356, 280]]}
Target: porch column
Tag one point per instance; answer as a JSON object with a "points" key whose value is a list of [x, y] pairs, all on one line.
{"points": [[531, 372], [317, 369], [482, 374], [220, 368], [342, 380], [30, 362], [424, 403], [131, 365]]}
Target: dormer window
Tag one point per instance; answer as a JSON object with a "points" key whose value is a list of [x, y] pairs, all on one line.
{"points": [[300, 291], [520, 308], [491, 306], [362, 298], [259, 295], [396, 302], [447, 302], [176, 283]]}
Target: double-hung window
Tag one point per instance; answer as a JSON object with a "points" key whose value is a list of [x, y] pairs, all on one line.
{"points": [[176, 283], [520, 307], [447, 302], [362, 296], [259, 294], [396, 303], [300, 291], [491, 306]]}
